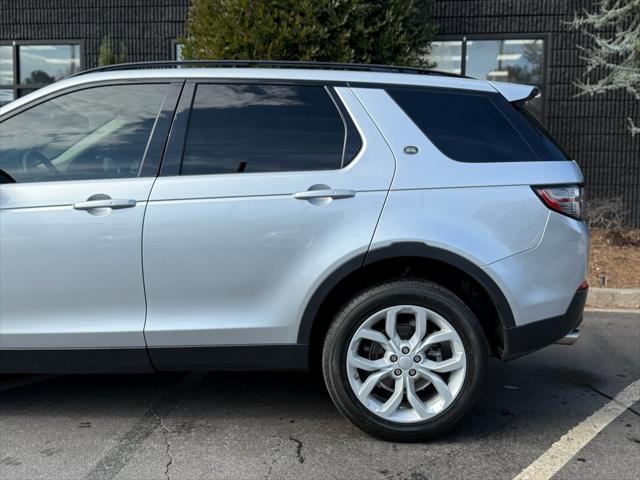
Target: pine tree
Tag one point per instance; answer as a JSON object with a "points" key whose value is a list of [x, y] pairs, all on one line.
{"points": [[363, 31], [107, 55]]}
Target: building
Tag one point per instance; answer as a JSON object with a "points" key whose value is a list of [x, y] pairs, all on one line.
{"points": [[511, 40]]}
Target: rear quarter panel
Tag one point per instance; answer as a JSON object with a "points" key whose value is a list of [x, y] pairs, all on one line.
{"points": [[484, 212]]}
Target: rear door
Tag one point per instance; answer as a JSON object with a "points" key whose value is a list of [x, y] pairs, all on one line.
{"points": [[265, 190], [71, 284]]}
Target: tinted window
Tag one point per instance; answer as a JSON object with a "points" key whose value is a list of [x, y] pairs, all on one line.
{"points": [[95, 133], [466, 127], [552, 149], [262, 128]]}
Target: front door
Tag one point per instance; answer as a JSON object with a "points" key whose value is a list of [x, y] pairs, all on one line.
{"points": [[278, 185], [71, 209]]}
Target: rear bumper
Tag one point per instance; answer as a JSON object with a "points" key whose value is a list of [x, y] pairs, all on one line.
{"points": [[533, 336]]}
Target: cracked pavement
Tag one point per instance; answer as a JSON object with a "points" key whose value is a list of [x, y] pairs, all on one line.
{"points": [[284, 426]]}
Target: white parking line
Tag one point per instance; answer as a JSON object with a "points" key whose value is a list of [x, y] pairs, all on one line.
{"points": [[551, 461]]}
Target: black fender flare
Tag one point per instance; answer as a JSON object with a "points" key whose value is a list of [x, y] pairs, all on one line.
{"points": [[398, 250]]}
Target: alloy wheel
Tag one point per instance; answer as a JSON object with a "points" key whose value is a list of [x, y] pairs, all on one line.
{"points": [[406, 363]]}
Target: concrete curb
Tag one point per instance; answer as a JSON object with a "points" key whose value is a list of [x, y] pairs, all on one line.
{"points": [[627, 298]]}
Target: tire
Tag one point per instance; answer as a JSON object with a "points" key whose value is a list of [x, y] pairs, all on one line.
{"points": [[359, 317]]}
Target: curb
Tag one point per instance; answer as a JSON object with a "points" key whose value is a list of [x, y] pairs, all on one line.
{"points": [[625, 298]]}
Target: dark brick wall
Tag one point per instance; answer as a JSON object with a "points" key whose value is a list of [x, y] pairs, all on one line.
{"points": [[591, 129], [146, 27]]}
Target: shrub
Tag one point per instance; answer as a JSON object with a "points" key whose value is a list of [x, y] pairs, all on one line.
{"points": [[107, 54], [608, 214], [386, 32]]}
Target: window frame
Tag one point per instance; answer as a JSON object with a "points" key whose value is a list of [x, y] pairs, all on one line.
{"points": [[546, 49], [16, 86], [176, 142], [174, 49], [158, 137]]}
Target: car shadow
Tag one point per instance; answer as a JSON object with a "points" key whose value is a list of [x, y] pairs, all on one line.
{"points": [[532, 389]]}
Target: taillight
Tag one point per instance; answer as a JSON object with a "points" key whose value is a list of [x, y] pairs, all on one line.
{"points": [[567, 199]]}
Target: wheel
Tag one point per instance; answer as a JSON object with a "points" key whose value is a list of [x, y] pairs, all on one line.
{"points": [[404, 360]]}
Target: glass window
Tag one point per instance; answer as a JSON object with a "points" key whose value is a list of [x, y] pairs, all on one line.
{"points": [[262, 128], [6, 96], [466, 127], [447, 56], [44, 64], [25, 91], [516, 61], [99, 132], [6, 65], [542, 139]]}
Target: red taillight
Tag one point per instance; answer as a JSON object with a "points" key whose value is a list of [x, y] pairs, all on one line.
{"points": [[584, 285], [566, 199]]}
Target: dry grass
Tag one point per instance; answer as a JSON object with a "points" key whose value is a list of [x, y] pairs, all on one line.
{"points": [[614, 260]]}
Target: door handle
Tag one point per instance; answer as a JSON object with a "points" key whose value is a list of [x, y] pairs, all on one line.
{"points": [[112, 203], [330, 193]]}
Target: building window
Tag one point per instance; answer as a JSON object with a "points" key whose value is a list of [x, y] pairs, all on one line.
{"points": [[506, 60], [447, 56], [25, 67], [515, 60]]}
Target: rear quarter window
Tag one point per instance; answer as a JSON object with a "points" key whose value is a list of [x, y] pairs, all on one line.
{"points": [[475, 127]]}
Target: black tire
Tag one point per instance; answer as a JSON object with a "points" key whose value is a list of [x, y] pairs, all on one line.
{"points": [[396, 292]]}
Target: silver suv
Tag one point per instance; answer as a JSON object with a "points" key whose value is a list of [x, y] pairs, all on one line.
{"points": [[393, 227]]}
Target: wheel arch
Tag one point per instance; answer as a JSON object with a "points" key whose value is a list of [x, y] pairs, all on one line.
{"points": [[407, 259]]}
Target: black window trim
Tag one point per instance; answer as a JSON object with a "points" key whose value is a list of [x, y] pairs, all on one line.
{"points": [[158, 137], [332, 94], [16, 86], [546, 50], [349, 126], [174, 151]]}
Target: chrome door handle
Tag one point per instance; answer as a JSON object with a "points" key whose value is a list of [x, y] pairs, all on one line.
{"points": [[332, 193], [105, 203]]}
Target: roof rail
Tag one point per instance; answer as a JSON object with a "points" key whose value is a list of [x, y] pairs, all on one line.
{"points": [[267, 64]]}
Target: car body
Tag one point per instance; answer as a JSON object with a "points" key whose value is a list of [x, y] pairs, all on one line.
{"points": [[219, 218]]}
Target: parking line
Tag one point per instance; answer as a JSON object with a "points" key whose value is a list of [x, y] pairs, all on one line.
{"points": [[551, 461]]}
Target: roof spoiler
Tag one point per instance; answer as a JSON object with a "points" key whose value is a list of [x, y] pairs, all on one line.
{"points": [[516, 93]]}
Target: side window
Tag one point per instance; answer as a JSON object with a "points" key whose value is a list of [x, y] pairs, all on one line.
{"points": [[96, 133], [465, 126], [236, 128]]}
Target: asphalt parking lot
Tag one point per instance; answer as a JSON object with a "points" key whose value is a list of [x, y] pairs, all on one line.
{"points": [[261, 426]]}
